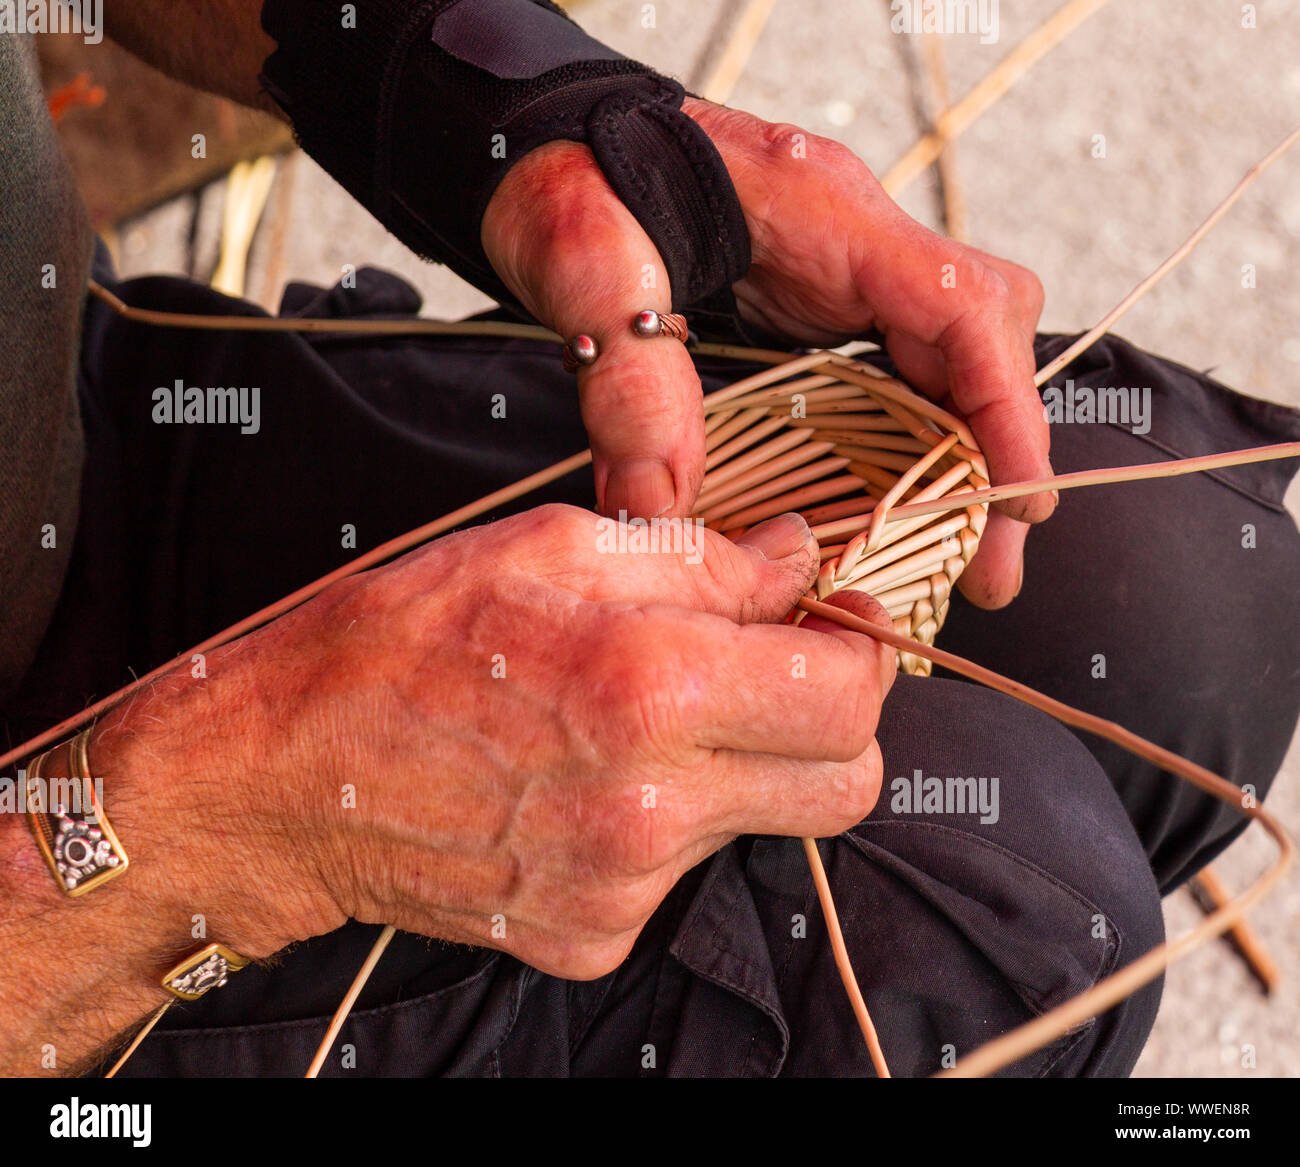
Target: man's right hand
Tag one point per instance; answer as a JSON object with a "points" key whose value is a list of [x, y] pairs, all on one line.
{"points": [[510, 728]]}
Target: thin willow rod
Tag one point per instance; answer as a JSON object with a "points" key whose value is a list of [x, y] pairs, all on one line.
{"points": [[739, 48], [842, 962], [954, 198], [1110, 990], [412, 326], [957, 118], [957, 664], [1102, 477], [419, 326], [145, 1030], [1048, 371], [271, 612], [1210, 889], [433, 530], [785, 369], [248, 186], [954, 121], [1033, 1035], [370, 559], [350, 999]]}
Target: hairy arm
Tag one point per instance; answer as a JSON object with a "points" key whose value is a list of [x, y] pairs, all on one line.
{"points": [[80, 974]]}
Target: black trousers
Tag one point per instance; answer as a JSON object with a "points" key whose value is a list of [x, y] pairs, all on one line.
{"points": [[1167, 606]]}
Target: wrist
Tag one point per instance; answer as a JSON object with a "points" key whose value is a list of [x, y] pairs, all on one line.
{"points": [[754, 152], [204, 865]]}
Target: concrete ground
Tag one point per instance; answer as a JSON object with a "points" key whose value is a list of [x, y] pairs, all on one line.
{"points": [[1186, 99]]}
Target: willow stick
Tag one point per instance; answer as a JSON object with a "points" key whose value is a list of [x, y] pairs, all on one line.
{"points": [[1027, 1038], [954, 199], [145, 1030], [959, 117], [272, 611], [350, 999], [1209, 891], [842, 962], [1101, 477], [739, 48], [416, 325], [248, 186], [1086, 341], [542, 478], [412, 326]]}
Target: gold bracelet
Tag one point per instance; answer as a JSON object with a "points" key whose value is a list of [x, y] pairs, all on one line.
{"points": [[67, 818]]}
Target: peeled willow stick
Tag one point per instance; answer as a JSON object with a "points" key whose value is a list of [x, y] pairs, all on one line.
{"points": [[1147, 470], [350, 999], [248, 186], [273, 611], [535, 481], [842, 962], [739, 48], [413, 326], [1048, 371], [1018, 62], [1004, 1050], [1209, 890], [142, 1033], [954, 200]]}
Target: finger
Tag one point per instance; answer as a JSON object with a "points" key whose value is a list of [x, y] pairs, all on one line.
{"points": [[579, 260], [965, 330], [993, 578], [788, 796], [868, 608], [990, 365], [793, 691], [681, 562], [641, 403]]}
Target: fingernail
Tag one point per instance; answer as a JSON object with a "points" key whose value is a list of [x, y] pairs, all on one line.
{"points": [[1056, 498], [1020, 583], [643, 487], [777, 538]]}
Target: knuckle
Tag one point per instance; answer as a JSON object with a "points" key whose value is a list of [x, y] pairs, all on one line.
{"points": [[733, 572], [777, 138], [995, 290], [853, 789], [641, 690], [837, 153], [1032, 293], [557, 520], [858, 722]]}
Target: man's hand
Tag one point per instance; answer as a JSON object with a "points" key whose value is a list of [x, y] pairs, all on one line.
{"points": [[542, 738], [833, 257], [517, 737]]}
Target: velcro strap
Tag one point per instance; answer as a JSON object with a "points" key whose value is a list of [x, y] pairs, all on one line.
{"points": [[420, 107]]}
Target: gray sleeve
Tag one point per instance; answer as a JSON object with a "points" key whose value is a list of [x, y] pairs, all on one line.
{"points": [[45, 250]]}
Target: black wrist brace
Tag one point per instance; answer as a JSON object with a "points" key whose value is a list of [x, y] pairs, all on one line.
{"points": [[421, 108]]}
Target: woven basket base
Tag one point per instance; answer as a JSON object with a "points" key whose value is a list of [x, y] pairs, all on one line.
{"points": [[842, 443]]}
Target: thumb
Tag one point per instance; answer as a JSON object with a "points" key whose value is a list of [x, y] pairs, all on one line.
{"points": [[641, 405], [565, 244]]}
